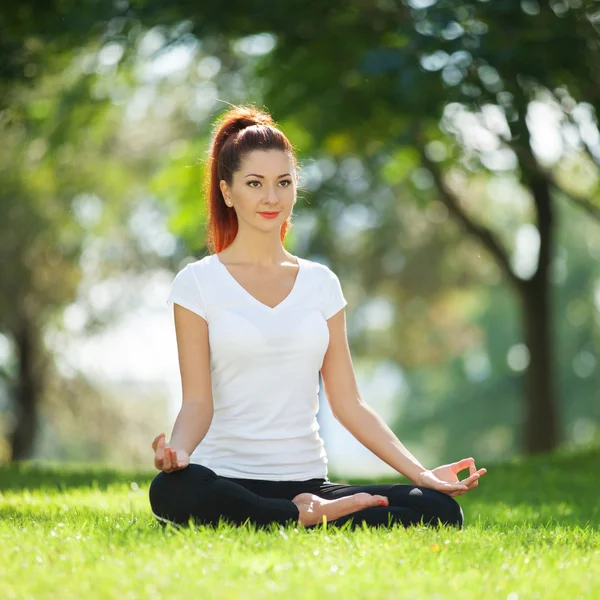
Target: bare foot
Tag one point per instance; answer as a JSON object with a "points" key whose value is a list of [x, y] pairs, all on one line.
{"points": [[313, 508]]}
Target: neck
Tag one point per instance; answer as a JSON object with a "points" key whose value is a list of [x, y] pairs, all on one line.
{"points": [[257, 248]]}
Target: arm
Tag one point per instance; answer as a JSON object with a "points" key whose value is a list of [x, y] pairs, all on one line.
{"points": [[352, 412], [196, 413]]}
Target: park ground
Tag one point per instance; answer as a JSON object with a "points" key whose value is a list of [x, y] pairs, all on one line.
{"points": [[532, 530]]}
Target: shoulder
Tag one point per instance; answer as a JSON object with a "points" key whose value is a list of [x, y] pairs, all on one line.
{"points": [[198, 267], [322, 275], [320, 269], [189, 287]]}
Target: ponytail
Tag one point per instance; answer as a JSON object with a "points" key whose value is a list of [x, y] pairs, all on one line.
{"points": [[236, 133]]}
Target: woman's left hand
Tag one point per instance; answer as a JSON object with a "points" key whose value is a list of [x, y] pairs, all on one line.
{"points": [[445, 478]]}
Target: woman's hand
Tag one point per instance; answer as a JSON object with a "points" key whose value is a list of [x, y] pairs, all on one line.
{"points": [[445, 478], [168, 459]]}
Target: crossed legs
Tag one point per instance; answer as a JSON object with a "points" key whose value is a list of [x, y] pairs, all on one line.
{"points": [[199, 494]]}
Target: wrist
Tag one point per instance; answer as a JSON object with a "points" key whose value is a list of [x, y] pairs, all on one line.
{"points": [[177, 445], [415, 474]]}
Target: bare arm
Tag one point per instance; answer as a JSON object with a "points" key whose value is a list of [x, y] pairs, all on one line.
{"points": [[371, 431], [196, 413], [352, 412]]}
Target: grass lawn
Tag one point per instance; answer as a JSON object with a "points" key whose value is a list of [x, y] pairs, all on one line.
{"points": [[531, 531]]}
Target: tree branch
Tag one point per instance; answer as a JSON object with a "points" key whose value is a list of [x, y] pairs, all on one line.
{"points": [[584, 203], [540, 187], [485, 236]]}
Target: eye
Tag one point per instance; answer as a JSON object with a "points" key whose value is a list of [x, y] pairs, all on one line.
{"points": [[288, 181]]}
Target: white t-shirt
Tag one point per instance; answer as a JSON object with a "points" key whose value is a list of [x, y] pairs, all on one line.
{"points": [[265, 365]]}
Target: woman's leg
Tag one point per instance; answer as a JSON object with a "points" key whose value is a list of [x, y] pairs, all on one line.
{"points": [[408, 505], [198, 493]]}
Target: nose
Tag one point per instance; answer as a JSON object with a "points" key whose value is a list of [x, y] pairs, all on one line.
{"points": [[272, 197]]}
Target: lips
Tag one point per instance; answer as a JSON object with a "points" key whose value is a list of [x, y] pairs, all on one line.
{"points": [[269, 215]]}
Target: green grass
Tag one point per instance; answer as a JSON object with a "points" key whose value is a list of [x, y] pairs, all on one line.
{"points": [[531, 531]]}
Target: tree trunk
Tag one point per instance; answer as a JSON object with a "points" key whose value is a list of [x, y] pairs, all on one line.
{"points": [[22, 438], [540, 411], [541, 407], [541, 419]]}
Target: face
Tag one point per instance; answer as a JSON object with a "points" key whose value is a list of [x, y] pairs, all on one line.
{"points": [[266, 182]]}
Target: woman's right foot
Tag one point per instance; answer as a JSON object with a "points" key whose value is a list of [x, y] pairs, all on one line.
{"points": [[313, 508]]}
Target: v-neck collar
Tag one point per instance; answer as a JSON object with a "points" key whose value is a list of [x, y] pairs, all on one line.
{"points": [[250, 296]]}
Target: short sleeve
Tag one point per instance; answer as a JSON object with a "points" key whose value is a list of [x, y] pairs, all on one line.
{"points": [[186, 292], [334, 299]]}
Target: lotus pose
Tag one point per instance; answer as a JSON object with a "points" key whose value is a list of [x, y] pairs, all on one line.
{"points": [[255, 325]]}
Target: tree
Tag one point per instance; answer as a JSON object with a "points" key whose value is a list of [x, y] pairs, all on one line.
{"points": [[64, 178], [390, 74], [459, 83]]}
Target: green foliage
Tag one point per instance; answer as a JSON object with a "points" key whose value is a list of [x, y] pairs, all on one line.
{"points": [[352, 84], [180, 185]]}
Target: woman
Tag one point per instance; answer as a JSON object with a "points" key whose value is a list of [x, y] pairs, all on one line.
{"points": [[255, 325]]}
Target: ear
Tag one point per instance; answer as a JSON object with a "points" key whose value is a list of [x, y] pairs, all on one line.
{"points": [[224, 188]]}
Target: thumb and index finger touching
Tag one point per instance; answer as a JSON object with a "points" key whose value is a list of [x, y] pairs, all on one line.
{"points": [[474, 473], [468, 463], [159, 443]]}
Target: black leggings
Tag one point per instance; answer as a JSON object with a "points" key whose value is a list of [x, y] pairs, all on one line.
{"points": [[199, 494]]}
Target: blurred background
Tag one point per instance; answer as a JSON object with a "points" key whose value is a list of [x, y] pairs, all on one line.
{"points": [[449, 158]]}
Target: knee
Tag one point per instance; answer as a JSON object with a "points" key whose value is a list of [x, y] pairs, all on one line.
{"points": [[436, 507], [172, 495], [447, 510], [158, 496]]}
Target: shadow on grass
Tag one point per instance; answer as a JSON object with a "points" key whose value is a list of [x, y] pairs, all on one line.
{"points": [[33, 476]]}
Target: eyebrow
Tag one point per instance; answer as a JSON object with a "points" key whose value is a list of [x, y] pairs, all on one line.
{"points": [[262, 176]]}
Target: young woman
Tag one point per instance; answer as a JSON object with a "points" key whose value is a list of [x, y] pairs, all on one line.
{"points": [[255, 325]]}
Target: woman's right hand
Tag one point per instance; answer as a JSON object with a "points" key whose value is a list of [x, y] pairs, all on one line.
{"points": [[168, 459]]}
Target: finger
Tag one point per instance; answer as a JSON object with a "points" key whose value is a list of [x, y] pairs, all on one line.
{"points": [[160, 447], [158, 458], [464, 464], [455, 487], [167, 464], [471, 487], [475, 477], [468, 480]]}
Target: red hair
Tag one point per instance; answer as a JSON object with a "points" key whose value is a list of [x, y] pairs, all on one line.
{"points": [[237, 132]]}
